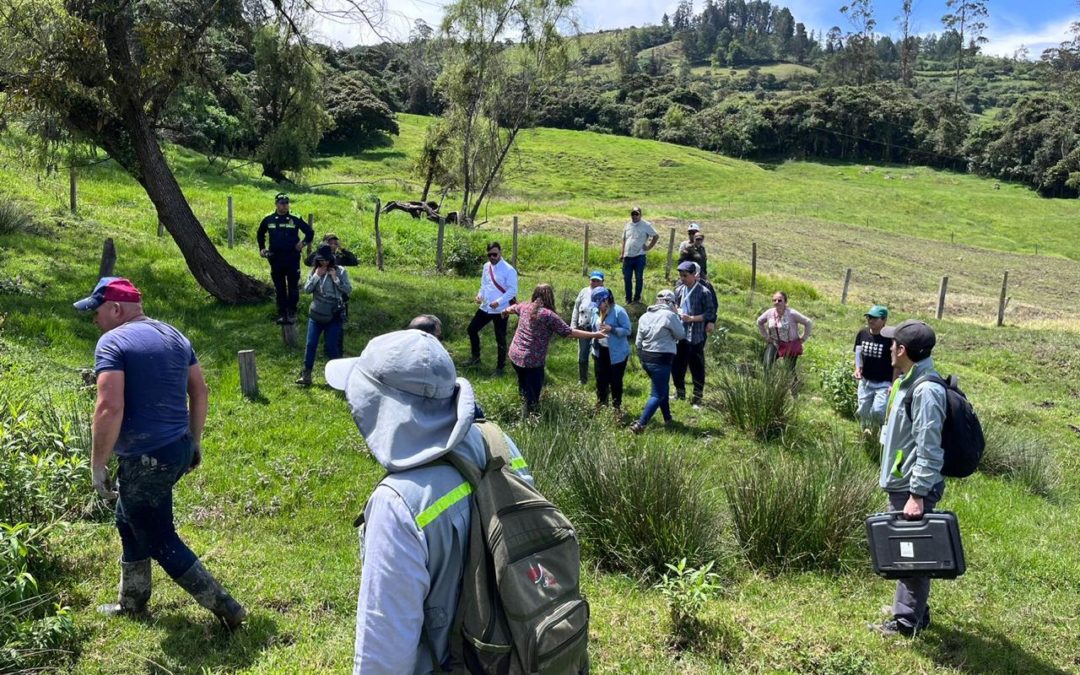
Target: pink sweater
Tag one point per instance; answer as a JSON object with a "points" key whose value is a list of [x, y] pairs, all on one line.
{"points": [[785, 328]]}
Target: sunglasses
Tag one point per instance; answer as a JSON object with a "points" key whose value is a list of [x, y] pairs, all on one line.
{"points": [[699, 238], [494, 255], [778, 301]]}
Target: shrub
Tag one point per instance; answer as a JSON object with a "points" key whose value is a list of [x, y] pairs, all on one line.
{"points": [[464, 256], [800, 511], [1017, 455], [759, 404], [686, 590], [44, 467], [840, 388], [33, 630]]}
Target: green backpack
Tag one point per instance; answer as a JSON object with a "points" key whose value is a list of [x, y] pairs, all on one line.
{"points": [[521, 608]]}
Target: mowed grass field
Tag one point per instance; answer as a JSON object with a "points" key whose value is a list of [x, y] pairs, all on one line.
{"points": [[283, 477]]}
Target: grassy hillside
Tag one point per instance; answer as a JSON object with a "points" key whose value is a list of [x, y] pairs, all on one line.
{"points": [[271, 508]]}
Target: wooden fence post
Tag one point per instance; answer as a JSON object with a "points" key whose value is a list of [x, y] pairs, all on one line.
{"points": [[670, 253], [378, 236], [231, 223], [288, 334], [108, 259], [249, 378], [513, 251], [311, 224], [439, 245], [847, 282], [160, 228], [753, 268], [1001, 300], [585, 257], [941, 296], [73, 184]]}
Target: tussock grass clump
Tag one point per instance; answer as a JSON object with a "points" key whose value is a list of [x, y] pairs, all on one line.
{"points": [[13, 217], [640, 507], [758, 403], [1017, 455], [800, 511]]}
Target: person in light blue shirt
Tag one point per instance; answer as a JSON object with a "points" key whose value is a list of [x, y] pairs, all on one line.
{"points": [[611, 353], [912, 457], [411, 409]]}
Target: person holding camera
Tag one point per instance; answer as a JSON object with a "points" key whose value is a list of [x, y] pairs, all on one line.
{"points": [[330, 287]]}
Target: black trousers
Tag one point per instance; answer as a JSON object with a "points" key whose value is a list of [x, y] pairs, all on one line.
{"points": [[609, 376], [692, 356], [481, 319], [530, 385], [286, 278]]}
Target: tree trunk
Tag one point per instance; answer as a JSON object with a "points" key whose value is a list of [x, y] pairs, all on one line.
{"points": [[275, 174], [210, 269], [491, 176], [430, 179]]}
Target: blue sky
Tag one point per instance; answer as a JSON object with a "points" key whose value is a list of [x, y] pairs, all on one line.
{"points": [[1037, 24]]}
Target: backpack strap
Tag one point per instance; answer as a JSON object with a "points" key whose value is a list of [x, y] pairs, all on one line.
{"points": [[936, 379]]}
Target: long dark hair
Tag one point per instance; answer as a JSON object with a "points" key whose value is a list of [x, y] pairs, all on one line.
{"points": [[545, 295]]}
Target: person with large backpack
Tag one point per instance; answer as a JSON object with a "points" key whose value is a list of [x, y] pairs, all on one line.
{"points": [[466, 567], [912, 456]]}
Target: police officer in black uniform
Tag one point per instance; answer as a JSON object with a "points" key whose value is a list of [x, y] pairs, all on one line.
{"points": [[284, 254]]}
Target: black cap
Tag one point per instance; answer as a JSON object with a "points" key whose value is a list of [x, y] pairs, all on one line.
{"points": [[915, 335], [324, 252], [281, 197]]}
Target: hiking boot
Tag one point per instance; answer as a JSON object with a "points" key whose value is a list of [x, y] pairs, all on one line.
{"points": [[134, 590], [281, 320], [680, 395], [305, 378], [637, 428], [891, 627], [206, 590]]}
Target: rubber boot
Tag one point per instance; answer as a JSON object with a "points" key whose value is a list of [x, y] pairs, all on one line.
{"points": [[134, 590], [209, 593], [305, 378]]}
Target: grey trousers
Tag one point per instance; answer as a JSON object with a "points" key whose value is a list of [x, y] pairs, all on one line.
{"points": [[913, 593]]}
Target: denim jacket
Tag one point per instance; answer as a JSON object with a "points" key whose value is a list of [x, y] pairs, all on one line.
{"points": [[617, 340]]}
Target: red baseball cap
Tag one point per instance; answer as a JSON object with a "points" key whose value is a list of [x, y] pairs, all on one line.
{"points": [[109, 289]]}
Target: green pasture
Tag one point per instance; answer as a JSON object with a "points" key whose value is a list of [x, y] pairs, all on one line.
{"points": [[283, 476]]}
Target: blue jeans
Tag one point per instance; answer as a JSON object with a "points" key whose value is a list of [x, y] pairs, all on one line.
{"points": [[331, 344], [660, 375], [633, 265], [873, 397], [144, 512]]}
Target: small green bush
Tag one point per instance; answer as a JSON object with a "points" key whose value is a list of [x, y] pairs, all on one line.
{"points": [[44, 459], [840, 388], [1017, 455], [760, 404], [686, 590], [801, 511], [465, 256], [33, 630]]}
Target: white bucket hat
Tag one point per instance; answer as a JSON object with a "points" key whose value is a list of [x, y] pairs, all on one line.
{"points": [[405, 398]]}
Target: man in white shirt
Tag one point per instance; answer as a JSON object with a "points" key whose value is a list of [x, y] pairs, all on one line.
{"points": [[638, 237], [498, 290], [581, 318]]}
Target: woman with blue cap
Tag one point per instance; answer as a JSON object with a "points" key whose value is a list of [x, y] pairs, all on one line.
{"points": [[612, 351]]}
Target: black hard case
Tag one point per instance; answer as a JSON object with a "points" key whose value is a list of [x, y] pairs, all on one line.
{"points": [[929, 547]]}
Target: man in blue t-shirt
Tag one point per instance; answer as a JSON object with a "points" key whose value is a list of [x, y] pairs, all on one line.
{"points": [[147, 376]]}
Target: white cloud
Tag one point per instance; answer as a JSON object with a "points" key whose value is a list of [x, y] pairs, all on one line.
{"points": [[1006, 40]]}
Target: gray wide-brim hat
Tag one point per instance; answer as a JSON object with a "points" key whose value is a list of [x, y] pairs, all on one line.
{"points": [[405, 398]]}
